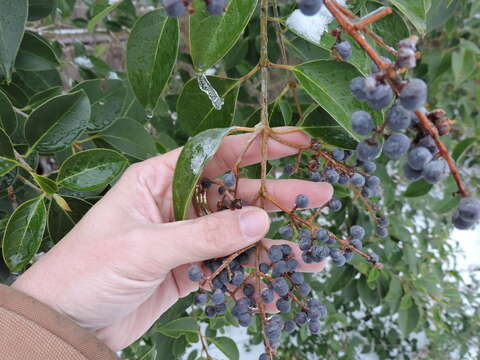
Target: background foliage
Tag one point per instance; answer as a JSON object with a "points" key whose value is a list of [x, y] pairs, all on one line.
{"points": [[88, 87]]}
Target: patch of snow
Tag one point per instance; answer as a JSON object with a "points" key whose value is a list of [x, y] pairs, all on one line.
{"points": [[311, 27]]}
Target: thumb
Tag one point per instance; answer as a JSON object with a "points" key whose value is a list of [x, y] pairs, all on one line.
{"points": [[207, 237]]}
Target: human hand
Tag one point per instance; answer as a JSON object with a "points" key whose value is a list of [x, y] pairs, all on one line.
{"points": [[126, 262]]}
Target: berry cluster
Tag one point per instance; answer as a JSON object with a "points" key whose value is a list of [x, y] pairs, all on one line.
{"points": [[176, 8]]}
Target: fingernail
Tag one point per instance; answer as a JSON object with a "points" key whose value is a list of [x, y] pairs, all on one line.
{"points": [[254, 224]]}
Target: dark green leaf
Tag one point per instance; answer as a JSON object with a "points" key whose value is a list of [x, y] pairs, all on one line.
{"points": [[462, 147], [439, 12], [46, 184], [408, 319], [91, 169], [13, 15], [415, 11], [406, 302], [327, 82], [38, 9], [368, 296], [23, 234], [106, 98], [44, 95], [7, 156], [178, 327], [196, 112], [211, 37], [320, 125], [418, 188], [8, 119], [56, 124], [105, 12], [35, 54], [340, 278], [131, 138], [151, 54], [195, 154], [227, 346], [394, 290]]}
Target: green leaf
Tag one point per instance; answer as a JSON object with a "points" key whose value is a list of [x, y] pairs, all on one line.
{"points": [[340, 278], [415, 11], [408, 319], [464, 64], [368, 296], [56, 124], [179, 327], [394, 290], [391, 28], [211, 37], [105, 12], [196, 112], [462, 147], [23, 234], [106, 98], [418, 188], [7, 156], [47, 185], [131, 138], [446, 205], [327, 82], [406, 302], [42, 96], [193, 158], [320, 125], [152, 51], [8, 119], [13, 15], [91, 169], [35, 54], [38, 9], [440, 12], [227, 346]]}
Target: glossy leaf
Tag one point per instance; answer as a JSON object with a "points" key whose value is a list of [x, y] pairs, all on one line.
{"points": [[152, 50], [106, 98], [102, 14], [35, 54], [91, 169], [415, 11], [319, 124], [179, 327], [211, 37], [13, 15], [193, 158], [56, 124], [44, 95], [418, 188], [38, 9], [61, 221], [24, 233], [47, 185], [327, 82], [8, 119], [227, 346], [7, 156], [131, 138], [196, 112]]}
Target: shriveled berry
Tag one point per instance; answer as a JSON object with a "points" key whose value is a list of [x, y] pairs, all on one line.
{"points": [[429, 143], [362, 122], [344, 49], [301, 201], [396, 146], [413, 95]]}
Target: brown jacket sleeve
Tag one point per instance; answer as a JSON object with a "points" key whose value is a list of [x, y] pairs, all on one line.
{"points": [[30, 329]]}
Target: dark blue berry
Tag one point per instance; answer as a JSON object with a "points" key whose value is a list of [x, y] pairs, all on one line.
{"points": [[357, 88], [367, 151], [304, 289], [194, 273], [399, 118], [301, 201], [283, 305], [315, 176], [216, 7], [200, 299], [469, 209], [218, 297], [275, 253], [292, 264], [335, 205], [174, 8], [382, 231], [344, 179], [413, 95], [229, 179], [301, 318], [297, 278], [286, 249], [289, 326], [280, 286], [220, 309], [210, 311], [362, 122], [286, 232], [314, 326], [344, 49], [357, 180], [248, 290], [264, 268], [373, 182], [332, 176], [267, 296], [369, 167], [357, 232], [245, 319], [396, 146], [310, 7], [435, 171], [321, 235], [338, 154]]}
